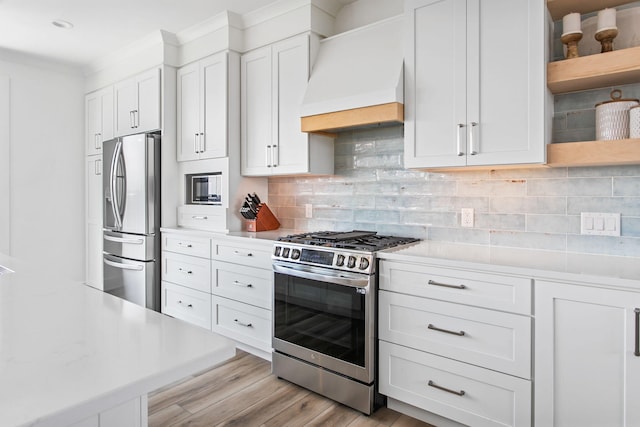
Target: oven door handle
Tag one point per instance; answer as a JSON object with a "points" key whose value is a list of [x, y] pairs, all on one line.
{"points": [[318, 274]]}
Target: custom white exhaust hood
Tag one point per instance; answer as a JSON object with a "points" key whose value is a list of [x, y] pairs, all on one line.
{"points": [[357, 80]]}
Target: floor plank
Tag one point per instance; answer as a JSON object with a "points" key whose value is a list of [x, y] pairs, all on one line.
{"points": [[243, 392]]}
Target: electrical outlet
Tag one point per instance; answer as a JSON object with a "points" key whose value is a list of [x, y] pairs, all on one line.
{"points": [[308, 210], [466, 217]]}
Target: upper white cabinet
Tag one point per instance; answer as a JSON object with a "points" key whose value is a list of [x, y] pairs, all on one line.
{"points": [[204, 89], [474, 82], [137, 103], [586, 356], [273, 82], [99, 119]]}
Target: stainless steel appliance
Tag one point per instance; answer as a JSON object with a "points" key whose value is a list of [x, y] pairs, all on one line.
{"points": [[131, 215], [205, 189], [324, 321]]}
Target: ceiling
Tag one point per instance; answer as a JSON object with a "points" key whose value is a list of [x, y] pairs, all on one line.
{"points": [[101, 26]]}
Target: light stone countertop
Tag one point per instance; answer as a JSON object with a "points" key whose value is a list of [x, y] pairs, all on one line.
{"points": [[600, 270], [267, 236], [67, 350]]}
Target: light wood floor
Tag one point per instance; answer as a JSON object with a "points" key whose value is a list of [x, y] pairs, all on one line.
{"points": [[242, 392]]}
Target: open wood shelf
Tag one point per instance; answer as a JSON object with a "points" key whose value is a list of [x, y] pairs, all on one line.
{"points": [[614, 68], [594, 153], [559, 8]]}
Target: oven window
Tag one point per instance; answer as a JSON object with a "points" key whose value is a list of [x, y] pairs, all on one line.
{"points": [[320, 316]]}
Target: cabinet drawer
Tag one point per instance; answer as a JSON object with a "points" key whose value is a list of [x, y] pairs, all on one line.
{"points": [[487, 338], [187, 304], [242, 322], [186, 270], [211, 218], [254, 255], [245, 284], [508, 293], [489, 399], [179, 243]]}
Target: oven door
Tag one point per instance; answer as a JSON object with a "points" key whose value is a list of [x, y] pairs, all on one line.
{"points": [[326, 318]]}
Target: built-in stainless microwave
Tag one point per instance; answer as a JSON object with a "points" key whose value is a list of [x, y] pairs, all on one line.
{"points": [[204, 189]]}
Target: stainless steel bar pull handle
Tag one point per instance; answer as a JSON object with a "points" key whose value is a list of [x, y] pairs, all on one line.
{"points": [[448, 390], [200, 217], [268, 155], [472, 148], [181, 270], [248, 325], [242, 253], [637, 349], [446, 285], [246, 285], [275, 161], [188, 245], [447, 331], [98, 167], [195, 143], [458, 141], [132, 119]]}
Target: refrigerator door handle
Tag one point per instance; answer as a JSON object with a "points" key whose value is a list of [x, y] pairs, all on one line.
{"points": [[123, 240], [112, 184], [123, 266]]}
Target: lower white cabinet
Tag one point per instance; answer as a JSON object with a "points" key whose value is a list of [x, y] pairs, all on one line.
{"points": [[245, 323], [93, 222], [586, 362], [455, 345], [465, 393], [187, 304], [220, 283]]}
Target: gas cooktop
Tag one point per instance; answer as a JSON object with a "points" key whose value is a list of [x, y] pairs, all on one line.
{"points": [[357, 240]]}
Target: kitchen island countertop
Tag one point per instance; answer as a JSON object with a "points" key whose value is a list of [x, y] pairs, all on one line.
{"points": [[68, 351]]}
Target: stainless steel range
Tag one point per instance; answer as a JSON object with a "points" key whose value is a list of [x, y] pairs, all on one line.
{"points": [[324, 309]]}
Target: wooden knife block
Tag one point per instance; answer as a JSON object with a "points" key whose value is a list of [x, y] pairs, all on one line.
{"points": [[265, 220]]}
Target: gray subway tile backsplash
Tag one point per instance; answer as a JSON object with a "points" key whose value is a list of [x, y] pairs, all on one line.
{"points": [[536, 208]]}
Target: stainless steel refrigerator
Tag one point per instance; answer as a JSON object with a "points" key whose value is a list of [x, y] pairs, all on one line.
{"points": [[131, 218]]}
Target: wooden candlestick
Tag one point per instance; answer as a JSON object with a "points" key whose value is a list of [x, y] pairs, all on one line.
{"points": [[571, 40], [605, 37]]}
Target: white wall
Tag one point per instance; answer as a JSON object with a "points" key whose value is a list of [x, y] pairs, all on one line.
{"points": [[47, 164], [4, 164]]}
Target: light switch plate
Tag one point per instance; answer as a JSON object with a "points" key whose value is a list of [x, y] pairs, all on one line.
{"points": [[600, 224]]}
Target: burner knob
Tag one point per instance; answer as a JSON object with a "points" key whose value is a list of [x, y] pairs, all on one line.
{"points": [[364, 263], [352, 262], [340, 260], [295, 253], [277, 250], [285, 252]]}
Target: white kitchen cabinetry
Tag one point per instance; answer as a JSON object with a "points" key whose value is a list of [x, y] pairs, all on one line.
{"points": [[242, 289], [186, 278], [456, 343], [220, 283], [273, 81], [137, 103], [475, 83], [204, 90], [98, 109], [93, 221], [587, 368]]}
